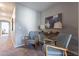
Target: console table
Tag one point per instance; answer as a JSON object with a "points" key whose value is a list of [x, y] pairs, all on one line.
{"points": [[51, 35]]}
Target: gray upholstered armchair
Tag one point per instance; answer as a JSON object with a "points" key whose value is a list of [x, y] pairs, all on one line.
{"points": [[32, 37], [61, 47]]}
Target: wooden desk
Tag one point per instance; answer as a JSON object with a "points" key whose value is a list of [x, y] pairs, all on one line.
{"points": [[51, 35]]}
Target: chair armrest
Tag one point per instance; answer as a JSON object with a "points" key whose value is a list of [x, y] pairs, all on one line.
{"points": [[49, 40], [64, 49], [26, 37]]}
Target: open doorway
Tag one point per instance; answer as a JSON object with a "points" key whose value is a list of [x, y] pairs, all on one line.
{"points": [[4, 26], [4, 32], [7, 25], [4, 29]]}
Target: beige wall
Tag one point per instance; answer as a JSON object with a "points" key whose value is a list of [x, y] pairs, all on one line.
{"points": [[78, 28], [70, 20], [69, 13]]}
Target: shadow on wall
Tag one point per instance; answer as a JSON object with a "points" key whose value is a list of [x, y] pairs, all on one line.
{"points": [[19, 32]]}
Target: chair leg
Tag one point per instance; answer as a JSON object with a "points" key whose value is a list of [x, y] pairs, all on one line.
{"points": [[55, 42], [35, 46], [46, 53], [65, 53]]}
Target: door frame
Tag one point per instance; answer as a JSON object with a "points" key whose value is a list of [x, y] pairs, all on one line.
{"points": [[0, 26]]}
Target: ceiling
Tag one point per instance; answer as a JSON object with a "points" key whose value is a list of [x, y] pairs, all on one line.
{"points": [[6, 9], [38, 6]]}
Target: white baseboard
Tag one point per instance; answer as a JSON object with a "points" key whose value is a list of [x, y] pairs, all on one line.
{"points": [[19, 45]]}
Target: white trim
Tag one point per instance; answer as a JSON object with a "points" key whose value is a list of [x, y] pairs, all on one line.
{"points": [[19, 45]]}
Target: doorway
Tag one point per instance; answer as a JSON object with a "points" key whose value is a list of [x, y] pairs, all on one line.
{"points": [[4, 32], [4, 26]]}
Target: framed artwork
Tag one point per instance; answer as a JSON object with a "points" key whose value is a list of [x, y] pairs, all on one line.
{"points": [[54, 21]]}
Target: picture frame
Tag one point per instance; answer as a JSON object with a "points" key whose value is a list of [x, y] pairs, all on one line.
{"points": [[51, 20]]}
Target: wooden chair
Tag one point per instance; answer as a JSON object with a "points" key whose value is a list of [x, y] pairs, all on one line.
{"points": [[61, 47]]}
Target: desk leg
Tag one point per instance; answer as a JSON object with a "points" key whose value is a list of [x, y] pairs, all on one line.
{"points": [[55, 42]]}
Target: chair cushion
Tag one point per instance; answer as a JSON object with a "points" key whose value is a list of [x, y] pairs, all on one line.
{"points": [[54, 52]]}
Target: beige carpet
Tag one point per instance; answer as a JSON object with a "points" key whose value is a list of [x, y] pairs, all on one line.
{"points": [[21, 51]]}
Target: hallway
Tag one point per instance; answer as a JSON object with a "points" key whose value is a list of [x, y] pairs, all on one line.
{"points": [[5, 42], [6, 18]]}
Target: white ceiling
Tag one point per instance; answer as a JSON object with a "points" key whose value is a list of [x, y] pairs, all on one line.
{"points": [[6, 9], [38, 6]]}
